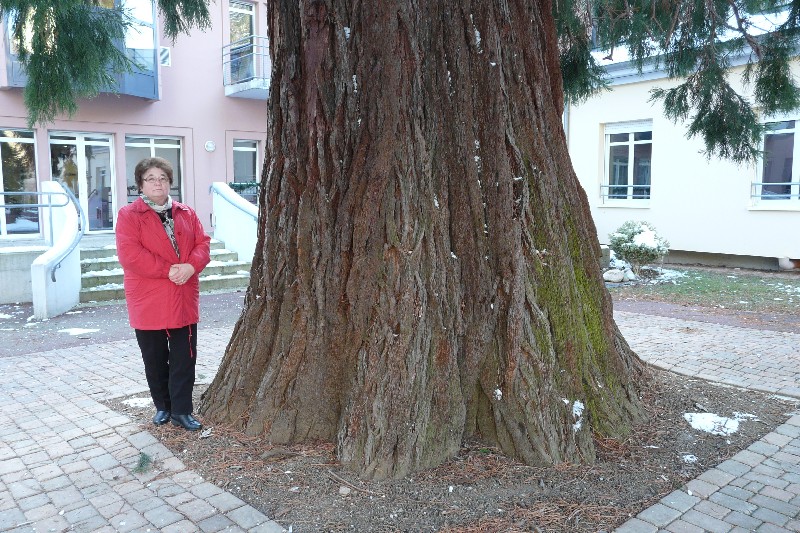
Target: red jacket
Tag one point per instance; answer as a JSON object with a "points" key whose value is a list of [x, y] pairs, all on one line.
{"points": [[146, 254]]}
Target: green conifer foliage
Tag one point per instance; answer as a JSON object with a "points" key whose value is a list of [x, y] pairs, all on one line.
{"points": [[70, 48], [696, 41]]}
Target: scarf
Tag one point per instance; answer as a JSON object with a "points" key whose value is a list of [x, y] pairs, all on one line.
{"points": [[165, 214]]}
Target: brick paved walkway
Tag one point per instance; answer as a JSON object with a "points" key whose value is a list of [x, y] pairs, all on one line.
{"points": [[758, 489], [67, 461]]}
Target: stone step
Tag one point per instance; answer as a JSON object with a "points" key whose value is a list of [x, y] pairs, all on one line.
{"points": [[208, 284], [111, 262], [110, 250], [95, 278]]}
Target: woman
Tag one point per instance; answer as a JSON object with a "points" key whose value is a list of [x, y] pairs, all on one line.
{"points": [[162, 249]]}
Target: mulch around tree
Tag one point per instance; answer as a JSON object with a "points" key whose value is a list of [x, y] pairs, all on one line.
{"points": [[480, 490]]}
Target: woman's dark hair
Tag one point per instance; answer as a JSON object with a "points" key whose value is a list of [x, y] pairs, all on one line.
{"points": [[151, 162]]}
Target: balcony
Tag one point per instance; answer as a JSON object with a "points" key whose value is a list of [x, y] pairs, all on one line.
{"points": [[142, 81], [246, 68]]}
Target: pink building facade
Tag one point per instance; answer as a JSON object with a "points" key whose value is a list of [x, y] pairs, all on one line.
{"points": [[199, 101]]}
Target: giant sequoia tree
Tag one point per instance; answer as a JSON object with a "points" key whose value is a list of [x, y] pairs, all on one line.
{"points": [[427, 267]]}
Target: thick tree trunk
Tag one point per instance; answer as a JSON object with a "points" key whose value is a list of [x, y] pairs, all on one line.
{"points": [[427, 267]]}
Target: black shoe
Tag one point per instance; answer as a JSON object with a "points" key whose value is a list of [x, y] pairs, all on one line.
{"points": [[187, 422], [161, 418]]}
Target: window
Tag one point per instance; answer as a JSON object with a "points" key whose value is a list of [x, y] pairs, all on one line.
{"points": [[242, 26], [18, 176], [778, 177], [245, 168], [140, 147], [628, 151]]}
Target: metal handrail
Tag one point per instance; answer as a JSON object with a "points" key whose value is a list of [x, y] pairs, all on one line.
{"points": [[237, 206], [69, 196], [82, 223]]}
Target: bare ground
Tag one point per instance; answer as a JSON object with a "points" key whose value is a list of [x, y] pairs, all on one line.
{"points": [[483, 491]]}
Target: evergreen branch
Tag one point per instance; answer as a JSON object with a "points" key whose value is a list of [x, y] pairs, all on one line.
{"points": [[180, 16]]}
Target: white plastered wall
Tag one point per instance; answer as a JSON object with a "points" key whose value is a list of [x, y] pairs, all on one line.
{"points": [[697, 204]]}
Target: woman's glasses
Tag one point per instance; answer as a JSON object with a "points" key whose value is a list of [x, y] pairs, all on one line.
{"points": [[156, 180]]}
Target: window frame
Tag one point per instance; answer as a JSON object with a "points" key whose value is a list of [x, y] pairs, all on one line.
{"points": [[4, 235], [152, 144], [758, 201], [628, 127]]}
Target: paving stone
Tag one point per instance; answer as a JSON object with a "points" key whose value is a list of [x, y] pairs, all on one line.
{"points": [[33, 502], [716, 477], [104, 462], [712, 509], [53, 523], [45, 472], [24, 488], [770, 528], [732, 503], [737, 492], [659, 515], [764, 448], [129, 521], [769, 516], [247, 517], [701, 488], [196, 510], [706, 522], [56, 483], [64, 497], [94, 524], [220, 522], [163, 516], [778, 494], [142, 439], [12, 465], [188, 478], [205, 490], [80, 514], [743, 520], [681, 526], [226, 501], [776, 505], [11, 518], [158, 452]]}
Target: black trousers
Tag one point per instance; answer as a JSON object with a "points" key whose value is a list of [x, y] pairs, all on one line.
{"points": [[169, 357]]}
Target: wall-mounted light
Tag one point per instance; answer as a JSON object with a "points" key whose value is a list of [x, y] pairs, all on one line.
{"points": [[210, 146]]}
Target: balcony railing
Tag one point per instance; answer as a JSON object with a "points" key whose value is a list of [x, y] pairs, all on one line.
{"points": [[773, 190], [625, 192], [246, 68]]}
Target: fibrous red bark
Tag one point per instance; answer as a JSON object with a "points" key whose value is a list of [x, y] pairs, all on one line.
{"points": [[427, 267]]}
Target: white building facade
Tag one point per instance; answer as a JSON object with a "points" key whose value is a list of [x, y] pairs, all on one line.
{"points": [[635, 164]]}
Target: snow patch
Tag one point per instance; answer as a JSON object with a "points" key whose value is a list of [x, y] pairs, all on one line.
{"points": [[137, 402], [3, 315], [715, 424], [347, 33], [577, 411], [689, 458], [77, 331], [498, 394]]}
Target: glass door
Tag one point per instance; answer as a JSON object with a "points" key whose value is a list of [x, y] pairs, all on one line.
{"points": [[84, 163]]}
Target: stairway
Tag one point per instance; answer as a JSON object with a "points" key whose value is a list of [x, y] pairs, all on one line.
{"points": [[101, 273]]}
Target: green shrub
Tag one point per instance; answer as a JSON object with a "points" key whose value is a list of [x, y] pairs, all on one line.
{"points": [[638, 243]]}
